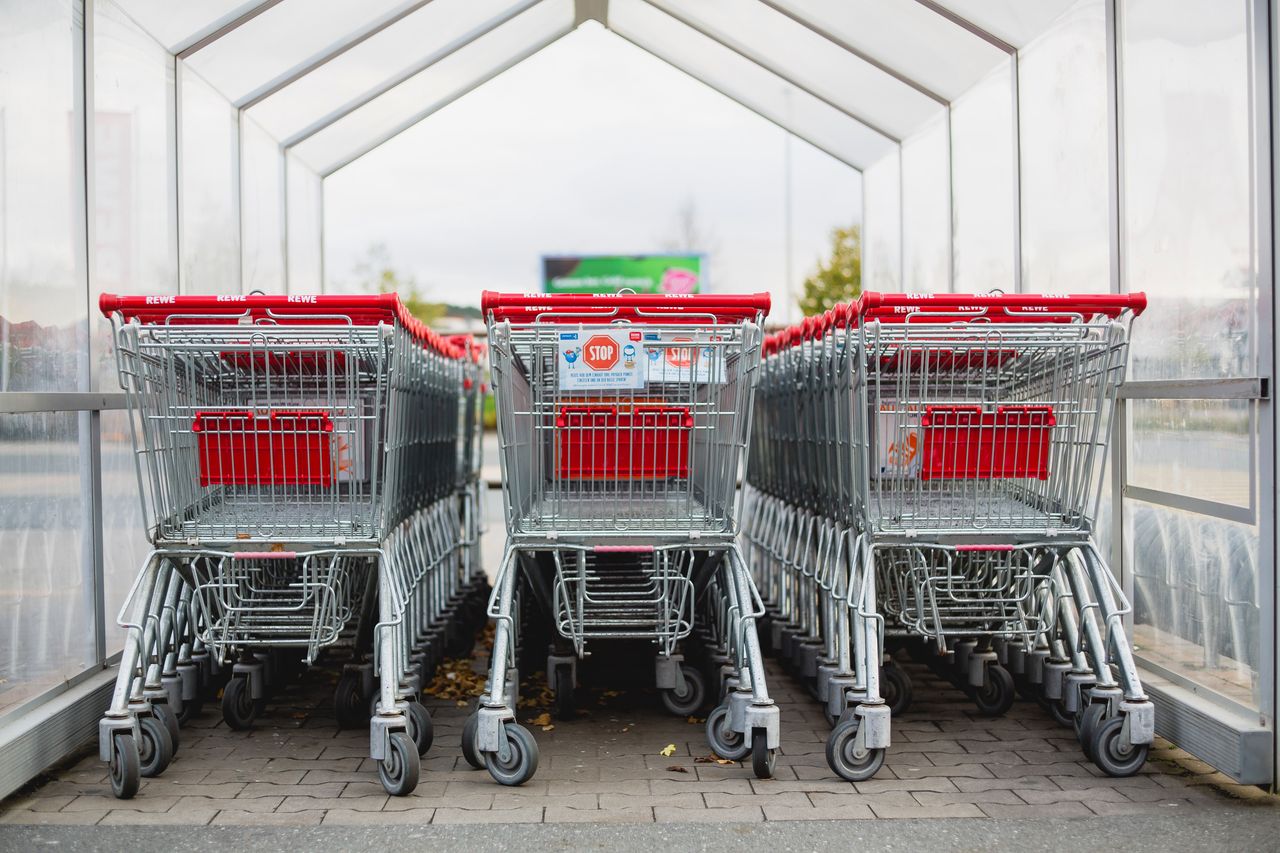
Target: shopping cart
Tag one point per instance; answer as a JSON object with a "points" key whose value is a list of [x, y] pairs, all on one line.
{"points": [[298, 461], [957, 443], [622, 421]]}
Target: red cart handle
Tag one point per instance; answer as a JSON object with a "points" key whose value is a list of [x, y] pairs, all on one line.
{"points": [[999, 307], [640, 307], [318, 310]]}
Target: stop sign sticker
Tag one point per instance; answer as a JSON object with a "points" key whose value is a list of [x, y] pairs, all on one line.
{"points": [[602, 360], [600, 352]]}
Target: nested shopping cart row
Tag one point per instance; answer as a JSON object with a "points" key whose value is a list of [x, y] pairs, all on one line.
{"points": [[309, 476], [622, 421], [925, 473]]}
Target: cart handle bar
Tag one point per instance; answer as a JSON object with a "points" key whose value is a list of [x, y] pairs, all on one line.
{"points": [[301, 310], [641, 307], [957, 308]]}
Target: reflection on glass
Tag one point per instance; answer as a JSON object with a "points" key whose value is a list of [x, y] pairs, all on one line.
{"points": [[882, 228], [210, 192], [1187, 181], [1062, 97], [135, 219], [982, 185], [1196, 602], [46, 599], [43, 318], [926, 211], [1198, 448]]}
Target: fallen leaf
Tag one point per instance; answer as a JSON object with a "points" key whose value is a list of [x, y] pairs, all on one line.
{"points": [[543, 719], [668, 750], [462, 703], [693, 721], [548, 728], [676, 768], [712, 759]]}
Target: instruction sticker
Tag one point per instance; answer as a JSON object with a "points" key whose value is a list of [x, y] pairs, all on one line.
{"points": [[680, 358], [600, 360]]}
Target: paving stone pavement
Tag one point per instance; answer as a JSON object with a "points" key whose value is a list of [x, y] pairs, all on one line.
{"points": [[297, 769]]}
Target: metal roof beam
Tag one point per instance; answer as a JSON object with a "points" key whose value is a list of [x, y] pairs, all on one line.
{"points": [[966, 24], [218, 30], [848, 48], [330, 53], [418, 67], [590, 10], [511, 62]]}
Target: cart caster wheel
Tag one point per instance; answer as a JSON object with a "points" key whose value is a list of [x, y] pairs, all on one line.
{"points": [[563, 683], [239, 710], [156, 748], [421, 730], [1110, 752], [763, 759], [126, 769], [724, 741], [164, 712], [1059, 713], [521, 759], [398, 772], [896, 689], [995, 696], [191, 709], [1086, 724], [469, 752], [349, 705], [685, 702], [844, 757], [833, 720]]}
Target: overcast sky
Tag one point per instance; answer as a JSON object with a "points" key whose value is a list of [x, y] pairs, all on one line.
{"points": [[591, 146]]}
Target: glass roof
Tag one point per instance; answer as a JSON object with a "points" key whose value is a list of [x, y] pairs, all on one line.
{"points": [[905, 38], [809, 61], [1014, 21], [748, 83], [400, 107], [378, 63], [176, 25], [331, 79], [281, 38]]}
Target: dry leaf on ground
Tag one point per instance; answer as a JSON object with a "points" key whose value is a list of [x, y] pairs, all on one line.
{"points": [[668, 750]]}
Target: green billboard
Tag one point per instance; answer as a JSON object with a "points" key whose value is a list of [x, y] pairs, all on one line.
{"points": [[611, 273]]}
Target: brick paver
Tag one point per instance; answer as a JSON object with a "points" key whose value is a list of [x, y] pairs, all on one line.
{"points": [[296, 768]]}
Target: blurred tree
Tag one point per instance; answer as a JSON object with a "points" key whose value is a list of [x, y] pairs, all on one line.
{"points": [[839, 278], [375, 274], [688, 232]]}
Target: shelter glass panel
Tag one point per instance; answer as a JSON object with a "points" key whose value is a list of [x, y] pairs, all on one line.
{"points": [[175, 24], [926, 211], [262, 209], [43, 313], [1189, 222], [882, 225], [208, 160], [305, 229], [1197, 602], [1062, 94], [982, 161], [46, 599], [135, 219]]}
